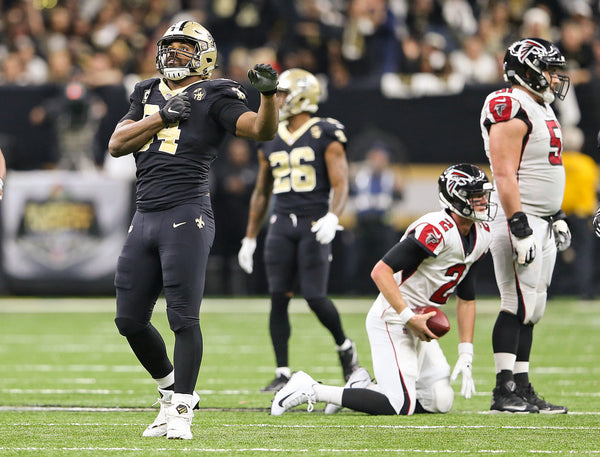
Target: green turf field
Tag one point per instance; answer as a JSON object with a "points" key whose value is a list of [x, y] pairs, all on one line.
{"points": [[69, 385]]}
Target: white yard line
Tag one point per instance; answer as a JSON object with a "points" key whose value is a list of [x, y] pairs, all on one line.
{"points": [[296, 450]]}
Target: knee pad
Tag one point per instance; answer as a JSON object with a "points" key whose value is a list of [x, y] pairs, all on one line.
{"points": [[178, 321], [443, 396], [437, 397], [128, 326]]}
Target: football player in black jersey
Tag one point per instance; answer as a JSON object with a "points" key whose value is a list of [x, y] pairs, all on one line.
{"points": [[300, 167], [173, 128]]}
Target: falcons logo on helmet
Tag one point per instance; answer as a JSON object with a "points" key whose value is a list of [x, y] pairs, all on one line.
{"points": [[527, 48], [458, 178]]}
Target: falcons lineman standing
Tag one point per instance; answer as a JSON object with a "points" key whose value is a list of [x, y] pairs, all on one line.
{"points": [[523, 142], [174, 128]]}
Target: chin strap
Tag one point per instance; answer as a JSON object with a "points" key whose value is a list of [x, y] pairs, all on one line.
{"points": [[548, 96]]}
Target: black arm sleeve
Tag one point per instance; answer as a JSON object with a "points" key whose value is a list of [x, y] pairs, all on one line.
{"points": [[466, 288], [135, 113], [406, 255], [227, 112]]}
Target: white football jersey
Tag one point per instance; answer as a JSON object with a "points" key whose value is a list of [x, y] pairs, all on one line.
{"points": [[437, 276], [541, 174]]}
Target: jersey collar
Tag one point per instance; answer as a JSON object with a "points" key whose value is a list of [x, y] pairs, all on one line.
{"points": [[290, 138]]}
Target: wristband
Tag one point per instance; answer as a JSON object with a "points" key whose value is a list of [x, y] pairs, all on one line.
{"points": [[519, 226], [1, 184], [406, 315], [269, 93], [465, 348]]}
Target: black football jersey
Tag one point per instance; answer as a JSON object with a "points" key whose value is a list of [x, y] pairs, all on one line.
{"points": [[172, 168], [300, 180]]}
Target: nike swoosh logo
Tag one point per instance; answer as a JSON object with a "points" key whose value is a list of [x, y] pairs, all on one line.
{"points": [[172, 111], [284, 398], [516, 408], [177, 225]]}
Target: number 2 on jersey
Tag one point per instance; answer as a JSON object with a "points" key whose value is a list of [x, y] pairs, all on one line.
{"points": [[291, 170], [455, 272]]}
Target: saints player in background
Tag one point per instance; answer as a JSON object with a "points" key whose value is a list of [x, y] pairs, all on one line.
{"points": [[300, 167], [437, 256], [523, 142], [174, 127]]}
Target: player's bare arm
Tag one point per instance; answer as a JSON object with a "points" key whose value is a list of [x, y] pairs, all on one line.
{"points": [[337, 170], [129, 136], [262, 125], [261, 196], [506, 143], [465, 319], [383, 276]]}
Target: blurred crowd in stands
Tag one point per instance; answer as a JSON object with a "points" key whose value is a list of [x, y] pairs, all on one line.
{"points": [[404, 48], [409, 47]]}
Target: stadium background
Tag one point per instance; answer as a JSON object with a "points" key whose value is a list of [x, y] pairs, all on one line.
{"points": [[65, 214]]}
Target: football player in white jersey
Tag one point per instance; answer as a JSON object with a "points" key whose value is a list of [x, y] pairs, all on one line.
{"points": [[523, 142], [433, 259]]}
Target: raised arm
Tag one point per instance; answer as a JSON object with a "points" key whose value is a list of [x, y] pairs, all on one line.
{"points": [[261, 125]]}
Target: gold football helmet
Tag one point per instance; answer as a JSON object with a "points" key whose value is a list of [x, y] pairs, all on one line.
{"points": [[303, 92], [202, 61]]}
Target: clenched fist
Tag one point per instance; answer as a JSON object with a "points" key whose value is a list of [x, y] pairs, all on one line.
{"points": [[176, 109]]}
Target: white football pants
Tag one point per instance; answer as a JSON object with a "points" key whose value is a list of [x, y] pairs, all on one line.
{"points": [[407, 369], [530, 281]]}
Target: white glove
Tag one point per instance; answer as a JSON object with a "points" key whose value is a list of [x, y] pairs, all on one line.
{"points": [[524, 249], [246, 253], [325, 228], [562, 234], [463, 366], [522, 238]]}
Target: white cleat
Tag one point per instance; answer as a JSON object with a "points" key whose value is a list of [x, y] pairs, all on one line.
{"points": [[179, 422], [159, 426], [298, 390], [359, 379]]}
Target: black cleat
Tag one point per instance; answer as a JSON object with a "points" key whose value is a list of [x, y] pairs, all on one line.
{"points": [[528, 394], [277, 384], [505, 399], [349, 360]]}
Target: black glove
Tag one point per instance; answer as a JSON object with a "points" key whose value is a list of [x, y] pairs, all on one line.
{"points": [[177, 109], [264, 78], [522, 239], [519, 226]]}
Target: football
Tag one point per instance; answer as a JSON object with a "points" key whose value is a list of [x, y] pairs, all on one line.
{"points": [[438, 324]]}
